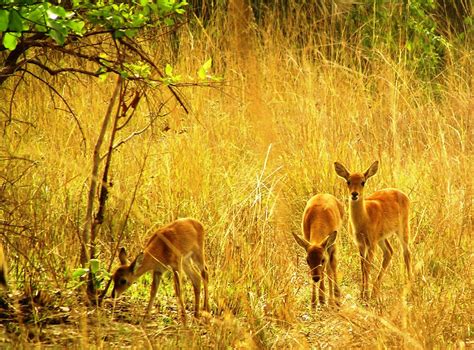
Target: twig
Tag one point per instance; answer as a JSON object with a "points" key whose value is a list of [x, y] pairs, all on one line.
{"points": [[127, 215], [84, 142], [10, 110], [62, 70], [95, 170], [144, 57]]}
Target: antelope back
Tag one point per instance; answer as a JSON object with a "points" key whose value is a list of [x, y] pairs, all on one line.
{"points": [[167, 248], [321, 220]]}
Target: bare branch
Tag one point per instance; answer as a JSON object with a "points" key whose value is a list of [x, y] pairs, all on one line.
{"points": [[10, 111], [129, 137], [144, 57], [84, 142], [88, 226], [62, 70]]}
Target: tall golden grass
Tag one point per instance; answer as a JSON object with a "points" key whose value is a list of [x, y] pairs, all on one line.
{"points": [[244, 162]]}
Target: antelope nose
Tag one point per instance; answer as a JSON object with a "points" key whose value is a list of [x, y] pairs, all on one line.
{"points": [[316, 278], [355, 195]]}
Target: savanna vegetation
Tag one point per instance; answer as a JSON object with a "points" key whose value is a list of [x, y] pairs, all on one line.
{"points": [[119, 118]]}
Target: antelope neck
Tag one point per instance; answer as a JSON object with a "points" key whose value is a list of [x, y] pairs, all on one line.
{"points": [[358, 212], [145, 265], [150, 263]]}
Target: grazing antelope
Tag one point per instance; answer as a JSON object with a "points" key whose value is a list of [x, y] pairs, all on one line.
{"points": [[176, 246], [322, 219], [3, 269], [373, 220]]}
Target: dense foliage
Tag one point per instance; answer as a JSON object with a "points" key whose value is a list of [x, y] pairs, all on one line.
{"points": [[70, 28]]}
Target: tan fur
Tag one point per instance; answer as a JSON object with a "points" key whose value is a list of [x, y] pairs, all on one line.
{"points": [[373, 220], [322, 218], [177, 246]]}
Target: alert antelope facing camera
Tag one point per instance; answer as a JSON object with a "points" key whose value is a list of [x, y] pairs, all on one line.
{"points": [[322, 218], [177, 246], [373, 220]]}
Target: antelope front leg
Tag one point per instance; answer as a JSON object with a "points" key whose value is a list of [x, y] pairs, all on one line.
{"points": [[387, 256], [368, 264], [205, 279], [336, 293], [195, 278], [363, 265], [322, 291], [313, 295], [179, 296], [154, 288]]}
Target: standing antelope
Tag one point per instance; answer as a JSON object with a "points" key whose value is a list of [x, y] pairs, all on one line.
{"points": [[322, 219], [373, 220], [3, 269], [176, 246]]}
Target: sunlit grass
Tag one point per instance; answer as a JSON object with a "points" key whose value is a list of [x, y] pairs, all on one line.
{"points": [[244, 162]]}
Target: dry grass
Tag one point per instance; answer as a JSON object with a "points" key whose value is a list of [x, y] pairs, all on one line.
{"points": [[244, 162]]}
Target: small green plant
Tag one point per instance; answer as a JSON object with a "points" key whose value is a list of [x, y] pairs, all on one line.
{"points": [[97, 272]]}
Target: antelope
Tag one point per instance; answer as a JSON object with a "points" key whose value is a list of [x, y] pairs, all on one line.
{"points": [[373, 220], [176, 246], [322, 218], [3, 269]]}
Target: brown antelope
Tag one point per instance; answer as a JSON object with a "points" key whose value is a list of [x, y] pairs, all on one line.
{"points": [[176, 246], [373, 220], [322, 218], [3, 269]]}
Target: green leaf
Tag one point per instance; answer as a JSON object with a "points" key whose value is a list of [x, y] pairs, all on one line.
{"points": [[57, 36], [3, 20], [57, 31], [16, 22], [202, 72], [168, 21], [94, 264], [118, 34], [103, 77], [56, 11], [80, 272], [35, 16], [10, 40], [169, 70], [131, 32], [40, 28], [208, 64], [76, 26]]}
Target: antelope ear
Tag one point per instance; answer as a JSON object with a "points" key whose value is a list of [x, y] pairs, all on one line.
{"points": [[372, 170], [123, 256], [301, 241], [137, 262], [329, 241], [341, 170]]}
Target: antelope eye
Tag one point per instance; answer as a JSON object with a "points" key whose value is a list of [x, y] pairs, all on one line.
{"points": [[348, 183], [122, 281], [362, 183], [323, 261]]}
